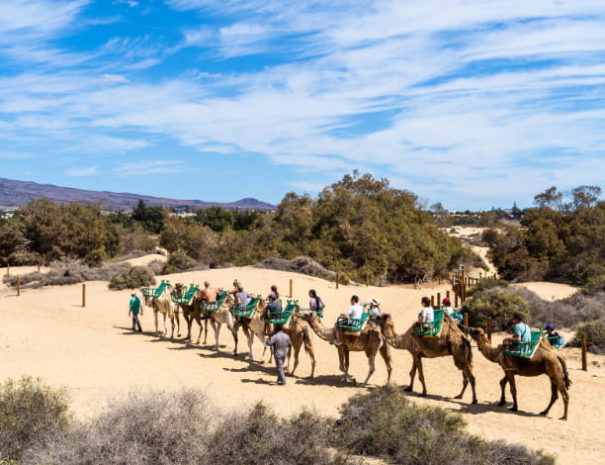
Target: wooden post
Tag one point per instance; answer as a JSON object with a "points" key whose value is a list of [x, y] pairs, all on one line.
{"points": [[433, 301], [8, 269], [462, 286], [440, 280], [490, 327], [584, 349], [83, 294], [438, 299], [447, 294], [38, 268], [455, 300], [465, 320], [337, 278], [18, 285], [291, 286], [367, 279]]}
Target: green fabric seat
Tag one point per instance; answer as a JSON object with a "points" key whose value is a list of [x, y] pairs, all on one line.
{"points": [[155, 291], [281, 318], [431, 328], [524, 349], [556, 341], [187, 296], [353, 325], [248, 310]]}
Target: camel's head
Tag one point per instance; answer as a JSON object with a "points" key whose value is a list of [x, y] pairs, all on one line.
{"points": [[382, 319], [475, 333]]}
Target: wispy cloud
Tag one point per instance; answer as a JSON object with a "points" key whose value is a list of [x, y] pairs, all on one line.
{"points": [[148, 167], [88, 171]]}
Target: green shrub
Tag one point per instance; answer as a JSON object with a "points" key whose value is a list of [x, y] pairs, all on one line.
{"points": [[136, 277], [595, 284], [384, 423], [496, 303], [95, 258], [28, 410], [595, 336], [177, 262], [487, 283]]}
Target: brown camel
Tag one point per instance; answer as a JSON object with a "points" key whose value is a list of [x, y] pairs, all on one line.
{"points": [[369, 340], [298, 330], [544, 362], [255, 325], [193, 312], [449, 341], [217, 318]]}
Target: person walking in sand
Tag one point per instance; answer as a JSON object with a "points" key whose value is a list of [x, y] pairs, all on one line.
{"points": [[135, 308], [280, 342]]}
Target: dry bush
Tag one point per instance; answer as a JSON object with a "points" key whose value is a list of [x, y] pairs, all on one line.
{"points": [[28, 409], [152, 428], [179, 262], [260, 437], [68, 273], [497, 304], [304, 265], [384, 423], [595, 336], [155, 267], [136, 277]]}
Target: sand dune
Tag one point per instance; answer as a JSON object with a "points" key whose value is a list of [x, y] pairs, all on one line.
{"points": [[94, 354]]}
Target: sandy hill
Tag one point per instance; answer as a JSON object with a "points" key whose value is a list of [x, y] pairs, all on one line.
{"points": [[94, 354]]}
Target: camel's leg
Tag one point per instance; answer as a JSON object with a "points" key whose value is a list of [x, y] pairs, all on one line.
{"points": [[189, 321], [503, 382], [236, 329], [199, 336], [287, 361], [205, 332], [216, 326], [565, 396], [471, 378], [155, 318], [554, 395], [372, 365], [386, 355], [513, 390], [346, 364], [250, 338], [296, 356], [178, 323], [165, 325], [464, 385], [421, 376], [410, 388], [311, 353]]}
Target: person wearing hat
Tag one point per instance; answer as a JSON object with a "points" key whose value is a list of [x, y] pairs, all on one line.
{"points": [[135, 308], [274, 305], [374, 307], [447, 306], [553, 336]]}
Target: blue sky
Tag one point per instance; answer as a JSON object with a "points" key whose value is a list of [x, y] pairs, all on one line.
{"points": [[471, 103]]}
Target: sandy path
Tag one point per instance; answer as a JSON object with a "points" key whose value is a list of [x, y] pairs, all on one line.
{"points": [[92, 351]]}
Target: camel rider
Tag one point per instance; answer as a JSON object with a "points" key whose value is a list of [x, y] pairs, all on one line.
{"points": [[274, 305], [280, 342], [274, 291], [427, 314], [553, 336], [209, 295], [521, 331], [447, 306], [353, 313], [135, 308], [316, 304], [242, 297], [374, 307]]}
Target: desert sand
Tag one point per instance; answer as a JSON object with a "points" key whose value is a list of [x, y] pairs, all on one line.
{"points": [[94, 354]]}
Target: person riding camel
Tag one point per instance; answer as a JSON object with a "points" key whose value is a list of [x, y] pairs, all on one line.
{"points": [[353, 313], [209, 295], [316, 304], [521, 333], [374, 307], [448, 308]]}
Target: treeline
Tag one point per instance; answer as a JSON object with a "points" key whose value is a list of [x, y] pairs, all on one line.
{"points": [[561, 239], [359, 225]]}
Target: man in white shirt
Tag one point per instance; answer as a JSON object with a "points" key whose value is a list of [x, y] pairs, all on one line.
{"points": [[427, 314], [353, 313]]}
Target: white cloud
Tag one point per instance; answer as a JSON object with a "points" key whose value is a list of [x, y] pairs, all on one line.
{"points": [[149, 167], [88, 171]]}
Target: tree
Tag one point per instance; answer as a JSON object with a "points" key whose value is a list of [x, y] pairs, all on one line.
{"points": [[11, 239], [516, 212], [550, 198], [151, 218], [585, 196]]}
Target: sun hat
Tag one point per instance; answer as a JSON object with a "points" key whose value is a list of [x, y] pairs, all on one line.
{"points": [[550, 326]]}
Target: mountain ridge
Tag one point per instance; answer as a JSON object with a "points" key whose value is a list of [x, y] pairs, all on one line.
{"points": [[14, 193]]}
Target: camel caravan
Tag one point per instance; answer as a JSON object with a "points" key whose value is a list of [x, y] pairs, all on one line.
{"points": [[363, 328]]}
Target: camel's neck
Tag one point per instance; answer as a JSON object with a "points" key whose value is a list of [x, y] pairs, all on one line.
{"points": [[490, 352], [319, 329], [396, 340]]}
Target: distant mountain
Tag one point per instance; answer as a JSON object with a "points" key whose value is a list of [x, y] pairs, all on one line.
{"points": [[16, 193]]}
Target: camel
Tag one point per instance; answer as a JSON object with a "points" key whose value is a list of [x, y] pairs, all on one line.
{"points": [[255, 325], [298, 330], [450, 341], [369, 340], [163, 305], [191, 312], [217, 318], [544, 362]]}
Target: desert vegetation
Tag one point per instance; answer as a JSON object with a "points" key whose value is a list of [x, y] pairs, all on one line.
{"points": [[561, 239], [359, 225], [184, 427]]}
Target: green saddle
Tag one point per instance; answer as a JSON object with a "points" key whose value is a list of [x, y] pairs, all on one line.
{"points": [[247, 310], [432, 327], [354, 325], [281, 318], [213, 307], [155, 291], [524, 349], [187, 296], [556, 341]]}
